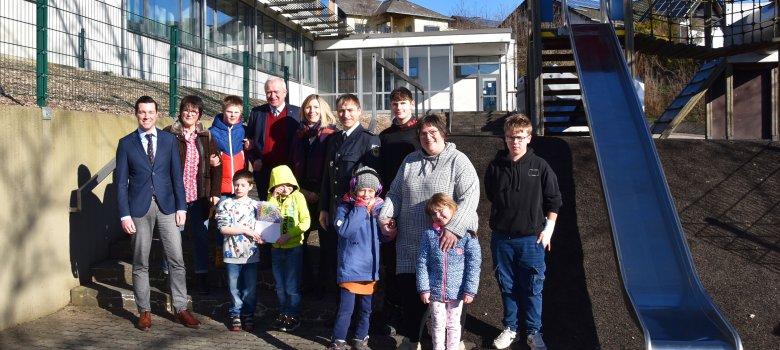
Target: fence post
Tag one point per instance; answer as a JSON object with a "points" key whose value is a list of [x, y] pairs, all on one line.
{"points": [[287, 83], [82, 48], [42, 58], [246, 83], [173, 83]]}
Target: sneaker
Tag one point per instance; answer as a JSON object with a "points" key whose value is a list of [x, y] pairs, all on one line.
{"points": [[291, 324], [279, 322], [389, 330], [505, 339], [535, 341], [249, 323], [360, 344], [338, 345], [462, 345], [235, 323]]}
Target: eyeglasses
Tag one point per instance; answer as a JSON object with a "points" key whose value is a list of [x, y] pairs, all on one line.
{"points": [[431, 133], [195, 111], [516, 138]]}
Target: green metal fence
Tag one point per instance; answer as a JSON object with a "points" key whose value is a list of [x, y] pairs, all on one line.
{"points": [[58, 54]]}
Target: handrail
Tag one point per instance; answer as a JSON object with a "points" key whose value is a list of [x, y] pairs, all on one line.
{"points": [[101, 175], [375, 59]]}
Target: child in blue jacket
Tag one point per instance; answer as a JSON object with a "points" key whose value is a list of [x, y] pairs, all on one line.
{"points": [[357, 270], [446, 280]]}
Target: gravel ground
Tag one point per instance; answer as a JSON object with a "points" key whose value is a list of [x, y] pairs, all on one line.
{"points": [[728, 197]]}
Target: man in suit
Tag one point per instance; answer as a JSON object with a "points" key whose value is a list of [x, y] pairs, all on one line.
{"points": [[150, 193], [271, 132]]}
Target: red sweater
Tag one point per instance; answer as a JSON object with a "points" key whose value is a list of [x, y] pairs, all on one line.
{"points": [[275, 148]]}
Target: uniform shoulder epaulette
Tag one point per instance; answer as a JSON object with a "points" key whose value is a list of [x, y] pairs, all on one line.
{"points": [[369, 132]]}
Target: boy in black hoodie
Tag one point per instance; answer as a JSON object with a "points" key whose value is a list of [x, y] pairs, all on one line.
{"points": [[525, 200]]}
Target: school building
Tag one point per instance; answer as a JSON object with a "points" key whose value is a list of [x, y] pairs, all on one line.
{"points": [[109, 52]]}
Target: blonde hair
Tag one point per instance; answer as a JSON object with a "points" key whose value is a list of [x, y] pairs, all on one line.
{"points": [[326, 114], [440, 200], [443, 200], [518, 121]]}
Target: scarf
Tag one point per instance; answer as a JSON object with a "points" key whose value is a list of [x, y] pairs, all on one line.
{"points": [[306, 132]]}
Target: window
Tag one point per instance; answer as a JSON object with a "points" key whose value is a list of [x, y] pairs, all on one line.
{"points": [[430, 28], [156, 17], [476, 65], [291, 52], [268, 44], [227, 22], [383, 28], [360, 28], [308, 61]]}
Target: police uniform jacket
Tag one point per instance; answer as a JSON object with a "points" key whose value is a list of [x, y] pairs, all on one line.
{"points": [[342, 156]]}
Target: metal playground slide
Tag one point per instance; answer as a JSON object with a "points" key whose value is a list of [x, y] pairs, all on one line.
{"points": [[656, 266]]}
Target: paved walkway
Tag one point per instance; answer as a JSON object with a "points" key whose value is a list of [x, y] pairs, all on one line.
{"points": [[96, 328]]}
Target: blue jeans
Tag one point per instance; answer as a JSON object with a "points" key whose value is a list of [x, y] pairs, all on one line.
{"points": [[242, 282], [344, 315], [519, 266], [197, 225], [287, 266]]}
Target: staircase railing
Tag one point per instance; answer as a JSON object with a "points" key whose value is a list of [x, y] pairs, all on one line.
{"points": [[418, 87], [95, 180], [709, 23]]}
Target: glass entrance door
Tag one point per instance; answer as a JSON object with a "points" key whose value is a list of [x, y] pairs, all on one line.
{"points": [[488, 96]]}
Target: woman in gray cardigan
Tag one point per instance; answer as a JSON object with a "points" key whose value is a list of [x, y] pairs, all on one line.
{"points": [[437, 167]]}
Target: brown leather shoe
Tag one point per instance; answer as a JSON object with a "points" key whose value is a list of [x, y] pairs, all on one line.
{"points": [[145, 321], [186, 318]]}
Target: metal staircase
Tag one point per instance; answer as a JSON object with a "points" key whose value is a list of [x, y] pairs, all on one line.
{"points": [[687, 98], [563, 109]]}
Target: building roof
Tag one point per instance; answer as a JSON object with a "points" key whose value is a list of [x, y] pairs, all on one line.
{"points": [[358, 7], [376, 8], [482, 22]]}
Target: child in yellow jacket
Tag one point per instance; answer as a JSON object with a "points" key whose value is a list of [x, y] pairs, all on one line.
{"points": [[287, 251]]}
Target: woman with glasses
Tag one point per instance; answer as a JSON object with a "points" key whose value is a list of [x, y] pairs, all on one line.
{"points": [[202, 170], [438, 167]]}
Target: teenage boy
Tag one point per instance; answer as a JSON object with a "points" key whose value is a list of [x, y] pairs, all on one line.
{"points": [[398, 141], [525, 200]]}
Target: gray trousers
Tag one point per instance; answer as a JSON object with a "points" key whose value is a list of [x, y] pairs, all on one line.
{"points": [[142, 243]]}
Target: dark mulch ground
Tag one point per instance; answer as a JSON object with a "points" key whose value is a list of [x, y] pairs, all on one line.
{"points": [[728, 197]]}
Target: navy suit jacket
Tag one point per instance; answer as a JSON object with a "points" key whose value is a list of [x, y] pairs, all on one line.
{"points": [[256, 128], [137, 179]]}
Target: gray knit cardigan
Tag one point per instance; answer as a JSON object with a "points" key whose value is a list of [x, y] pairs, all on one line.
{"points": [[419, 177]]}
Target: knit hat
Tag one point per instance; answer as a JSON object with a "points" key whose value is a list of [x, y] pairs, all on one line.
{"points": [[366, 178]]}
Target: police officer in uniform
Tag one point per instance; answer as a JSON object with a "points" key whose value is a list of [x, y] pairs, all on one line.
{"points": [[346, 150]]}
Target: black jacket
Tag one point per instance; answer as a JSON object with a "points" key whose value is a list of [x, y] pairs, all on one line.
{"points": [[397, 142], [521, 193], [341, 158]]}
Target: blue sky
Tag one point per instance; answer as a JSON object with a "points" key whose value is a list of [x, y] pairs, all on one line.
{"points": [[491, 9]]}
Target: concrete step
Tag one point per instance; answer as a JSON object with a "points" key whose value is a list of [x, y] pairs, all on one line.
{"points": [[113, 297], [120, 273], [215, 305]]}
